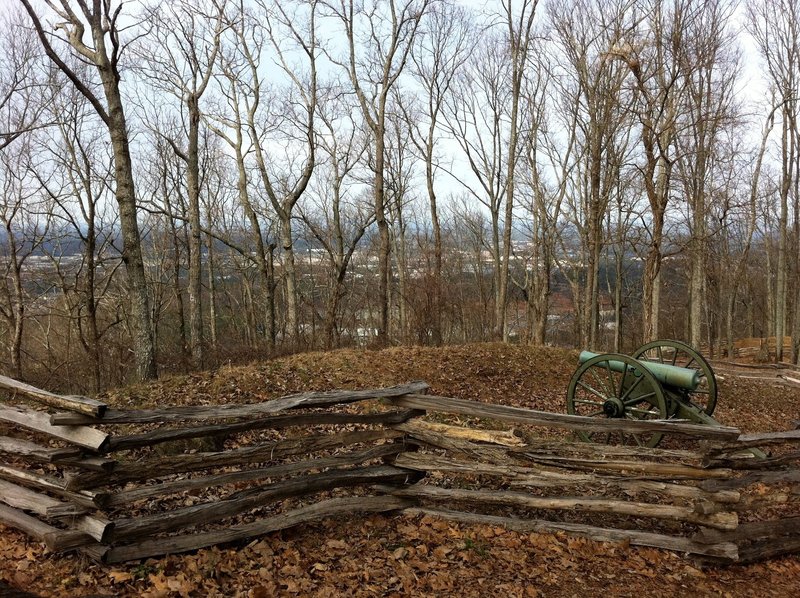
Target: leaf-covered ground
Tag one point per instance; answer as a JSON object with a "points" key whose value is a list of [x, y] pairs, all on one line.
{"points": [[394, 555]]}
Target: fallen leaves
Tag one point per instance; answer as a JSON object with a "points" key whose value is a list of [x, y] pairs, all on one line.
{"points": [[390, 555]]}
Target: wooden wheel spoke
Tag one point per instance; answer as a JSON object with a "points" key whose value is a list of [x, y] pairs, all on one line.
{"points": [[643, 411], [639, 399], [587, 402], [591, 389], [601, 382], [611, 384], [630, 389]]}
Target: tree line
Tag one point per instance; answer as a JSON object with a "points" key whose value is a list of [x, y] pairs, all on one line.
{"points": [[193, 182]]}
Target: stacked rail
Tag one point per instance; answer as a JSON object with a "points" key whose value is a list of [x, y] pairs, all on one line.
{"points": [[715, 500], [121, 485]]}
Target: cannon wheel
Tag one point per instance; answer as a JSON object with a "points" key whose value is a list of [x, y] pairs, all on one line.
{"points": [[596, 390], [683, 355]]}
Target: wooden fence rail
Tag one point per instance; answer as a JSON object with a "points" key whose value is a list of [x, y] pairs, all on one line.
{"points": [[121, 485]]}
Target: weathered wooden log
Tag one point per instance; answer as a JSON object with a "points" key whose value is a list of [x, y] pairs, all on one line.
{"points": [[99, 464], [422, 437], [75, 403], [210, 412], [738, 451], [751, 504], [99, 528], [306, 514], [86, 498], [38, 421], [723, 550], [642, 468], [271, 451], [768, 548], [748, 463], [20, 497], [127, 497], [723, 520], [791, 476], [501, 437], [502, 455], [431, 435], [540, 478], [32, 451], [556, 420], [750, 531], [57, 540], [255, 497], [117, 443]]}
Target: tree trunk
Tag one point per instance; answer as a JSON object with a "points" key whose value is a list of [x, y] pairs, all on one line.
{"points": [[651, 292], [18, 317], [212, 294], [497, 258], [787, 158], [195, 242], [290, 280], [436, 320], [178, 291], [619, 254], [332, 306], [143, 342], [698, 261], [384, 264], [91, 301], [263, 255], [402, 288]]}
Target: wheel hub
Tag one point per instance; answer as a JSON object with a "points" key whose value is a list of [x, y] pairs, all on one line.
{"points": [[614, 407]]}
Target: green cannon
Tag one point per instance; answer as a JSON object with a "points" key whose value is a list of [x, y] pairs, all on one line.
{"points": [[662, 380]]}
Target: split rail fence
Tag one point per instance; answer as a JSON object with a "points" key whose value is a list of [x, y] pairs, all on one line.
{"points": [[121, 485]]}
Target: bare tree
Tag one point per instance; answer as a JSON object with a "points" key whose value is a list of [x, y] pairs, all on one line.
{"points": [[518, 21], [585, 31], [545, 172], [472, 232], [73, 168], [656, 56], [399, 197], [163, 179], [484, 116], [337, 217], [476, 119], [438, 51], [775, 26], [709, 110], [24, 226], [285, 29], [379, 37], [234, 120], [180, 60], [103, 51], [22, 95]]}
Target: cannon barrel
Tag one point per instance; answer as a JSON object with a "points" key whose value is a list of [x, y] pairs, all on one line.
{"points": [[668, 375]]}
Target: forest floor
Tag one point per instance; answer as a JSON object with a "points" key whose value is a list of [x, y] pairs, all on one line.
{"points": [[393, 555]]}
